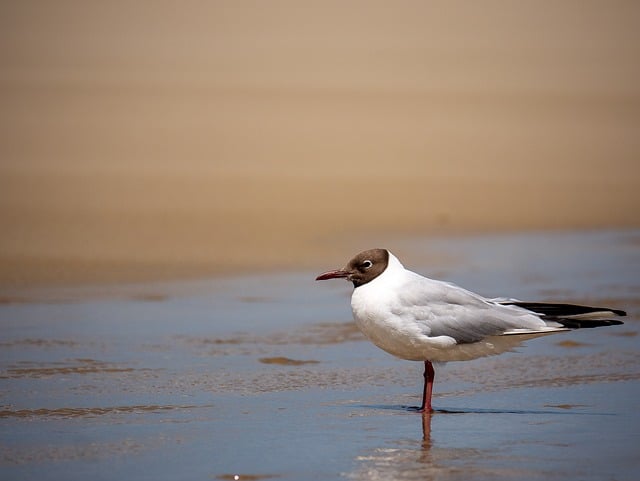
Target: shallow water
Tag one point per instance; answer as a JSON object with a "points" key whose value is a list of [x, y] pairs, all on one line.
{"points": [[265, 377]]}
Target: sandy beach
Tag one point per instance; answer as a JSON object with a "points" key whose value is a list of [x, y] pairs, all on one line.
{"points": [[155, 142], [174, 175]]}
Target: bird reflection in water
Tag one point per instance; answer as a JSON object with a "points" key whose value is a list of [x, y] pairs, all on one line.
{"points": [[424, 459], [407, 460]]}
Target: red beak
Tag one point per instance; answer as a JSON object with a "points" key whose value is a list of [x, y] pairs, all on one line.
{"points": [[337, 274]]}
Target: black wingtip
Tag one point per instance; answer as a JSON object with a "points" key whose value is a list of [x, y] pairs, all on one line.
{"points": [[562, 309], [587, 323]]}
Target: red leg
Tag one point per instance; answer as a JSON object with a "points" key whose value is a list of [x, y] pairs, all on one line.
{"points": [[429, 375]]}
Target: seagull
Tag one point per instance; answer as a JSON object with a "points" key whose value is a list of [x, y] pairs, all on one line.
{"points": [[420, 319]]}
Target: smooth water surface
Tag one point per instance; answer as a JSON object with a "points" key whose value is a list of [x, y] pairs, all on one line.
{"points": [[265, 377]]}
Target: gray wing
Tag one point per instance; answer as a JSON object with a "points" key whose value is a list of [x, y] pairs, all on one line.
{"points": [[443, 309]]}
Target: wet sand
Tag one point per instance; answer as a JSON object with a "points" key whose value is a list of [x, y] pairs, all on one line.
{"points": [[149, 142], [264, 377]]}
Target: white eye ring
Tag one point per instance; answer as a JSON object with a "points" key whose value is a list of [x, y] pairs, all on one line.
{"points": [[367, 264]]}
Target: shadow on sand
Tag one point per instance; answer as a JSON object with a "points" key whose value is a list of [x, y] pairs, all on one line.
{"points": [[445, 410]]}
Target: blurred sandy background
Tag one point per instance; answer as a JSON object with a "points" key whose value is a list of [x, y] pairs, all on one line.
{"points": [[151, 139]]}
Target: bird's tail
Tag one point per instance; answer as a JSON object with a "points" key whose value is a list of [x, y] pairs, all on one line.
{"points": [[572, 316]]}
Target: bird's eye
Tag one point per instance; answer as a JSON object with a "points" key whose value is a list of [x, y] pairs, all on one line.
{"points": [[367, 264]]}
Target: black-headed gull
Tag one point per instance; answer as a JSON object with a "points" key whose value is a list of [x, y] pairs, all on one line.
{"points": [[421, 319]]}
